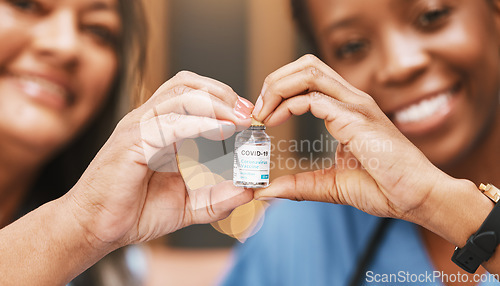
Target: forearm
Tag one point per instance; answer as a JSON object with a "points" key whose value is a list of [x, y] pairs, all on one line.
{"points": [[46, 247], [457, 211]]}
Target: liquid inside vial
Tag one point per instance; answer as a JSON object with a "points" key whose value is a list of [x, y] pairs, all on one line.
{"points": [[252, 154]]}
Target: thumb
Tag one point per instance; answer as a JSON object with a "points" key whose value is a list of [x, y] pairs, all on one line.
{"points": [[215, 202], [312, 186]]}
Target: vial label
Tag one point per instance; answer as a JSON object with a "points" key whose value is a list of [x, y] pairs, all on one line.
{"points": [[251, 166]]}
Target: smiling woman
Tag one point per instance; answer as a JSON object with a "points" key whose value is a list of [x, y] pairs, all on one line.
{"points": [[50, 86], [418, 73], [60, 84], [429, 72], [63, 66]]}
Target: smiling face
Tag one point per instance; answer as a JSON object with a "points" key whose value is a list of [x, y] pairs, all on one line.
{"points": [[57, 64], [431, 65]]}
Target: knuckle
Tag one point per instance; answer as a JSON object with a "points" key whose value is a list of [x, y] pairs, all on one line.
{"points": [[314, 73], [184, 74], [362, 112], [269, 80], [173, 117], [273, 92], [180, 89], [226, 87], [365, 99], [309, 59], [366, 112], [317, 96], [229, 92], [367, 107]]}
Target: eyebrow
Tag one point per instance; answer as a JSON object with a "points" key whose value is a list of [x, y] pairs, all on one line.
{"points": [[102, 6], [349, 20], [339, 24]]}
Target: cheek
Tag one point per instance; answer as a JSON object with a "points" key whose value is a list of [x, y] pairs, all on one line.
{"points": [[96, 78], [14, 36], [473, 52], [476, 56]]}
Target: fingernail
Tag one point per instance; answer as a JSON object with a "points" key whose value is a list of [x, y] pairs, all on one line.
{"points": [[226, 129], [243, 107], [241, 115], [245, 102], [258, 106], [226, 123]]}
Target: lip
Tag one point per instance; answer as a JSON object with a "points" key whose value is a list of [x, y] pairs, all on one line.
{"points": [[445, 102], [49, 89]]}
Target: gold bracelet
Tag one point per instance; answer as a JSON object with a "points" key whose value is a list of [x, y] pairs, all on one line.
{"points": [[490, 191]]}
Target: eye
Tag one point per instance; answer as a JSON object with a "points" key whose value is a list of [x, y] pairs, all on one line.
{"points": [[102, 34], [27, 5], [433, 18], [351, 49]]}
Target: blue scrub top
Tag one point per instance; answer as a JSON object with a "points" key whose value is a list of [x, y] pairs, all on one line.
{"points": [[311, 243]]}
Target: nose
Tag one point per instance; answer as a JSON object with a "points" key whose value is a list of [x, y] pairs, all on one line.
{"points": [[403, 58], [55, 38]]}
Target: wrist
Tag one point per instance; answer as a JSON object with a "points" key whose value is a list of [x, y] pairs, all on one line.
{"points": [[85, 220], [455, 209], [47, 245]]}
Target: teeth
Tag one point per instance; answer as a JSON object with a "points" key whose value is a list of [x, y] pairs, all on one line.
{"points": [[34, 84], [424, 109], [37, 82]]}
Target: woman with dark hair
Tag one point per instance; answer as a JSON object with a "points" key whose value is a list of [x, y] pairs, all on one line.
{"points": [[64, 65], [408, 74]]}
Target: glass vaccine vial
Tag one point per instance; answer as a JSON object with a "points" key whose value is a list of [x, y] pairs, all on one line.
{"points": [[252, 156]]}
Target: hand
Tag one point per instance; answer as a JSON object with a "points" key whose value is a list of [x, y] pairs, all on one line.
{"points": [[120, 200], [377, 170]]}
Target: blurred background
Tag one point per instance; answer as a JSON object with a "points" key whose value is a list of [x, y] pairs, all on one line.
{"points": [[238, 42]]}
